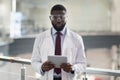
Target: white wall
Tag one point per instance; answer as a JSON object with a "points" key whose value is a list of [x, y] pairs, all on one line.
{"points": [[5, 8], [116, 16]]}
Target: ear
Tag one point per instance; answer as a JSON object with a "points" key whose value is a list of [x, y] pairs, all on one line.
{"points": [[50, 17]]}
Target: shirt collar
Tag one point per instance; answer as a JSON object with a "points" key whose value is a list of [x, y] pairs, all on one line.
{"points": [[62, 32]]}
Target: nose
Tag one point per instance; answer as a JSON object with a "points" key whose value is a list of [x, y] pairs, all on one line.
{"points": [[59, 19]]}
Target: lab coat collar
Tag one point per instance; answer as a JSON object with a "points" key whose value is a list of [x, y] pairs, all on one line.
{"points": [[67, 33], [53, 31]]}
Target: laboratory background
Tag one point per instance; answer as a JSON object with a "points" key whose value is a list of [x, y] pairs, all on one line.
{"points": [[97, 21]]}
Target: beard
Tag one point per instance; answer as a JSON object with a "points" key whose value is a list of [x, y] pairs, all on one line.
{"points": [[58, 28]]}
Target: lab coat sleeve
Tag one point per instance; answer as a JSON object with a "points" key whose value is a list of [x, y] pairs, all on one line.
{"points": [[80, 60], [36, 57]]}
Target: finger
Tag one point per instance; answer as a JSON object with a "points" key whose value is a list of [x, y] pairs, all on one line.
{"points": [[63, 65], [51, 64], [69, 64], [47, 68], [68, 70]]}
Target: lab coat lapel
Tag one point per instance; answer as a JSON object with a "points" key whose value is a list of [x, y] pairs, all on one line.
{"points": [[69, 47], [68, 43], [50, 43]]}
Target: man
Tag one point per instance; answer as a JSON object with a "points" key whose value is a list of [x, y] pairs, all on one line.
{"points": [[59, 41]]}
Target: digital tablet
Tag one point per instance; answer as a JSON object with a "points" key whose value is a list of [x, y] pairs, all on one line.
{"points": [[57, 60]]}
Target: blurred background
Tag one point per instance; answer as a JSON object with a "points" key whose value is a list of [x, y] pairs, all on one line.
{"points": [[97, 21]]}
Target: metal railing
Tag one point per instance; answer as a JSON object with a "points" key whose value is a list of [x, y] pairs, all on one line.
{"points": [[89, 70], [109, 72], [17, 60]]}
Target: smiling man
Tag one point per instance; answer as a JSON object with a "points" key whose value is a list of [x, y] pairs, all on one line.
{"points": [[59, 41]]}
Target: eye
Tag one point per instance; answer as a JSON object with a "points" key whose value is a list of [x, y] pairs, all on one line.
{"points": [[54, 17]]}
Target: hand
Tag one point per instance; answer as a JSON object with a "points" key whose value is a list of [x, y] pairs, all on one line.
{"points": [[67, 67], [46, 66]]}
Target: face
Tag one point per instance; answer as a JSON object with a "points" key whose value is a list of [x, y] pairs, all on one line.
{"points": [[58, 19]]}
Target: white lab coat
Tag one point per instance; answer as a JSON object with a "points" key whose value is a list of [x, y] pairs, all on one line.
{"points": [[73, 48]]}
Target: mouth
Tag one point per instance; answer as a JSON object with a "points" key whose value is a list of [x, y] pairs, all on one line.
{"points": [[59, 25]]}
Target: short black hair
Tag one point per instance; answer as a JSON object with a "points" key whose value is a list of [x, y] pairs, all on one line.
{"points": [[58, 7]]}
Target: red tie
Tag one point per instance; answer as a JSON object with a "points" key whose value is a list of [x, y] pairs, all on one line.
{"points": [[58, 50]]}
